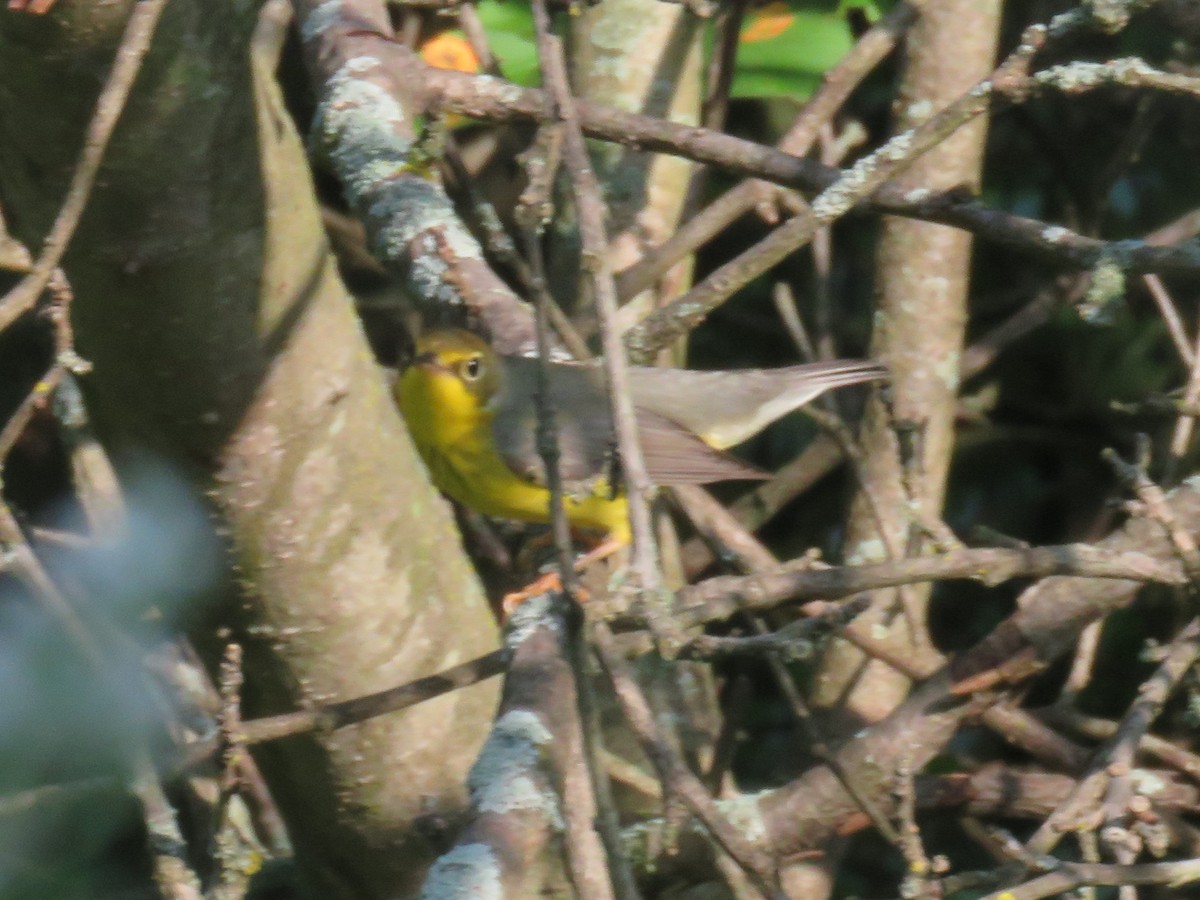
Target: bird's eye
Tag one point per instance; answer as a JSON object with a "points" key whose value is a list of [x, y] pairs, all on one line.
{"points": [[471, 368]]}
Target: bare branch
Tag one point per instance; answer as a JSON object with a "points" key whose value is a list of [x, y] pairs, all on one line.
{"points": [[369, 89], [722, 596], [135, 43]]}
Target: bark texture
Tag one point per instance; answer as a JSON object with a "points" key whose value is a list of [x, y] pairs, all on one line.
{"points": [[922, 273], [222, 339]]}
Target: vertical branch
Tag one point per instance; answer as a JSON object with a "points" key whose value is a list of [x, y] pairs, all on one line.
{"points": [[1181, 436], [721, 66], [531, 790], [719, 81], [590, 209], [641, 56], [922, 272], [677, 778], [533, 211]]}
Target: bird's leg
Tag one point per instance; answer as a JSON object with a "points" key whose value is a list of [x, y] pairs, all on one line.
{"points": [[602, 550], [552, 581]]}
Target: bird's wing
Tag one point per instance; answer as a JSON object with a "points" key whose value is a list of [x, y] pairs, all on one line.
{"points": [[738, 404], [586, 437], [674, 455], [581, 415]]}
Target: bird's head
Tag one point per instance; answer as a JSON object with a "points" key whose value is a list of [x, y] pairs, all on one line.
{"points": [[465, 357]]}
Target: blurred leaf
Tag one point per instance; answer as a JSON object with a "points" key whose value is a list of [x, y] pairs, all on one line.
{"points": [[872, 9], [450, 50], [509, 27], [785, 48], [767, 23]]}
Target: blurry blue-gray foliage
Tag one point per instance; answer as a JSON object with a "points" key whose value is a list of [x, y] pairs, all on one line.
{"points": [[69, 729]]}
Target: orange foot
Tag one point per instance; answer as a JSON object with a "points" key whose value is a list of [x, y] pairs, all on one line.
{"points": [[552, 581]]}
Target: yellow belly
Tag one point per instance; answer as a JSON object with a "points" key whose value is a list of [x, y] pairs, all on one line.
{"points": [[454, 437]]}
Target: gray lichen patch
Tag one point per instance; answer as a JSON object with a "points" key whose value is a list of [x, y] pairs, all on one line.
{"points": [[505, 777], [745, 814], [1079, 76], [840, 196], [527, 618], [359, 125], [469, 870], [322, 16]]}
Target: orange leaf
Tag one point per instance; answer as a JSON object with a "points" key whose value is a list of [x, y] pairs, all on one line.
{"points": [[450, 50], [769, 22]]}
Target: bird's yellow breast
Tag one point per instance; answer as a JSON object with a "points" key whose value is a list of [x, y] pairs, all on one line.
{"points": [[452, 430]]}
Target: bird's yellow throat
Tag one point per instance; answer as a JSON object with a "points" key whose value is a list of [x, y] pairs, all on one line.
{"points": [[445, 397]]}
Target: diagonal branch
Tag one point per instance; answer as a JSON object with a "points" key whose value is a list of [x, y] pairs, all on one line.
{"points": [[367, 127]]}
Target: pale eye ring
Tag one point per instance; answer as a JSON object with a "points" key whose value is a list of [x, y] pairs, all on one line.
{"points": [[471, 368]]}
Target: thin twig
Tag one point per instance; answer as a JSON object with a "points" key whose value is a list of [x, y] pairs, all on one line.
{"points": [[1157, 507], [675, 775], [715, 106], [732, 541], [721, 66], [472, 26], [722, 596], [541, 164], [836, 86], [358, 709], [37, 398], [1070, 875], [1118, 752], [135, 42], [620, 869], [18, 557], [756, 507], [920, 869], [794, 643], [1171, 318], [590, 210], [1032, 734], [1063, 716], [173, 874], [1082, 663], [231, 852], [533, 211], [1181, 435], [853, 185]]}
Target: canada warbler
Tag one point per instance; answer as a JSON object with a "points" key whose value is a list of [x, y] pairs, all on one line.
{"points": [[473, 416]]}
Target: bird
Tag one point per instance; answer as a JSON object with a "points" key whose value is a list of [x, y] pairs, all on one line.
{"points": [[473, 415]]}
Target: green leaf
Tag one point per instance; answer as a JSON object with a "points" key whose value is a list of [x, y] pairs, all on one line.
{"points": [[509, 27], [870, 8], [785, 48]]}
